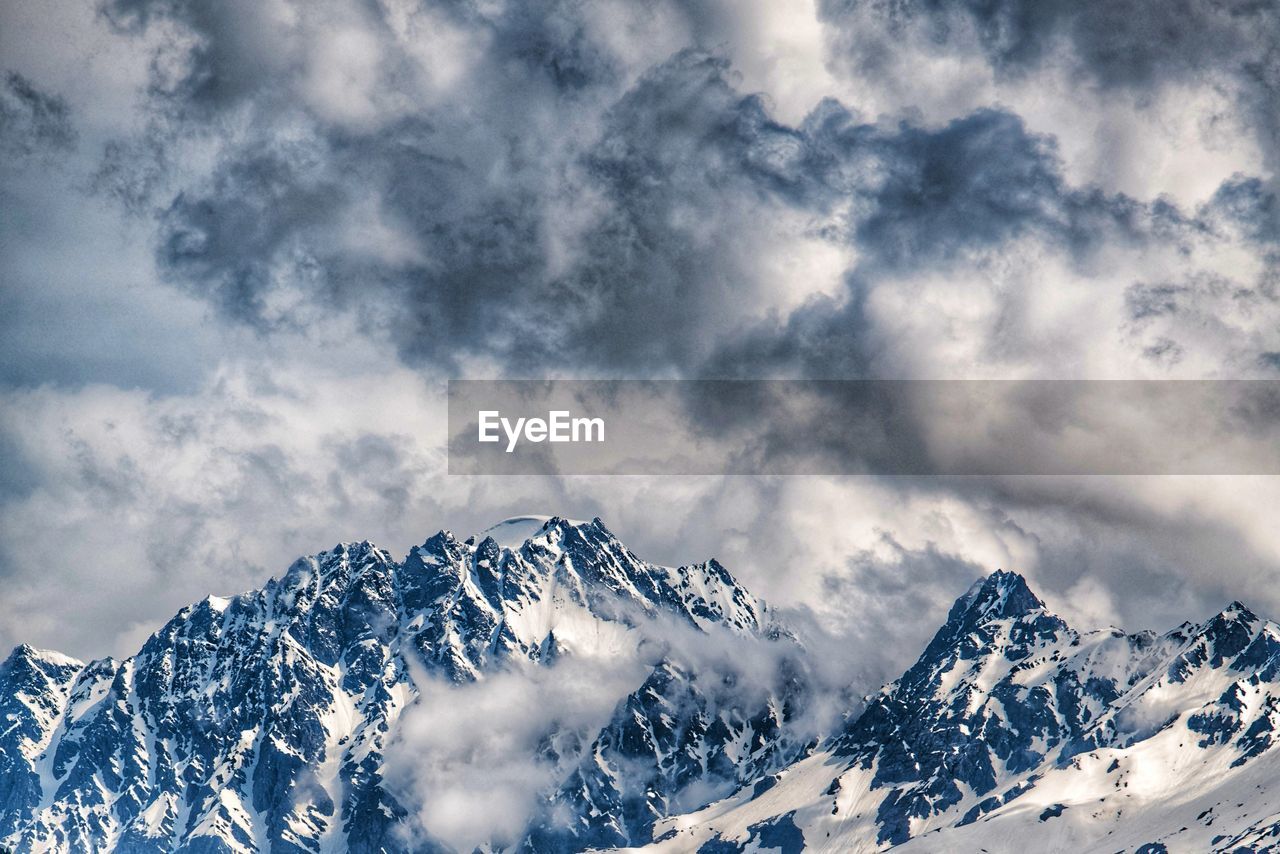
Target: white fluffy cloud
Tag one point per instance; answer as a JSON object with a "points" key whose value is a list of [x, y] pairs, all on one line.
{"points": [[471, 759], [230, 301]]}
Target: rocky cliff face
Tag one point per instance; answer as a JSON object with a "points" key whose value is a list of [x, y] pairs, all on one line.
{"points": [[263, 721], [1013, 732]]}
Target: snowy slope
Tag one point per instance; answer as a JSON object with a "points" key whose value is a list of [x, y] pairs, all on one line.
{"points": [[1015, 733], [263, 721], [283, 719], [34, 688]]}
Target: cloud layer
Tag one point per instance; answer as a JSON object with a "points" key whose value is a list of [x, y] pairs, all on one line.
{"points": [[244, 243]]}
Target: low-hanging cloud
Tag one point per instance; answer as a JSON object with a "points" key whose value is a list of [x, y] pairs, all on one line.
{"points": [[477, 759], [480, 759]]}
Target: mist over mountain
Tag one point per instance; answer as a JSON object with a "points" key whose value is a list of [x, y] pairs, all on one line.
{"points": [[549, 693], [540, 688]]}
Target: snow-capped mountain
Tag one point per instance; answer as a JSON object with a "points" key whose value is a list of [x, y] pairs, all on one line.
{"points": [[292, 718], [1013, 732], [263, 721]]}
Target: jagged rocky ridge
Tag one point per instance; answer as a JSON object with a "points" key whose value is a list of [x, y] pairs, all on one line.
{"points": [[262, 722], [1013, 732], [265, 722]]}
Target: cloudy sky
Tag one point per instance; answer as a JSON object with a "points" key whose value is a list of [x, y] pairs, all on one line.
{"points": [[245, 243]]}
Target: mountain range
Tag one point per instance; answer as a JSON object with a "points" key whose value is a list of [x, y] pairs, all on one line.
{"points": [[540, 688]]}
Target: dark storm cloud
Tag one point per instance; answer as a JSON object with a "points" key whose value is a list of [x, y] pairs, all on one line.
{"points": [[32, 121], [541, 188], [891, 584], [1126, 43], [978, 181], [691, 170], [823, 339], [132, 171], [1248, 204], [927, 199], [1138, 45], [680, 176], [1160, 567], [1144, 301], [225, 241], [231, 60], [681, 152], [554, 210]]}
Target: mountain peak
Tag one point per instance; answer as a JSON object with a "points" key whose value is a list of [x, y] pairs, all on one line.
{"points": [[262, 695], [26, 652], [1000, 595], [356, 549], [513, 532], [1235, 620], [973, 625], [1237, 612]]}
